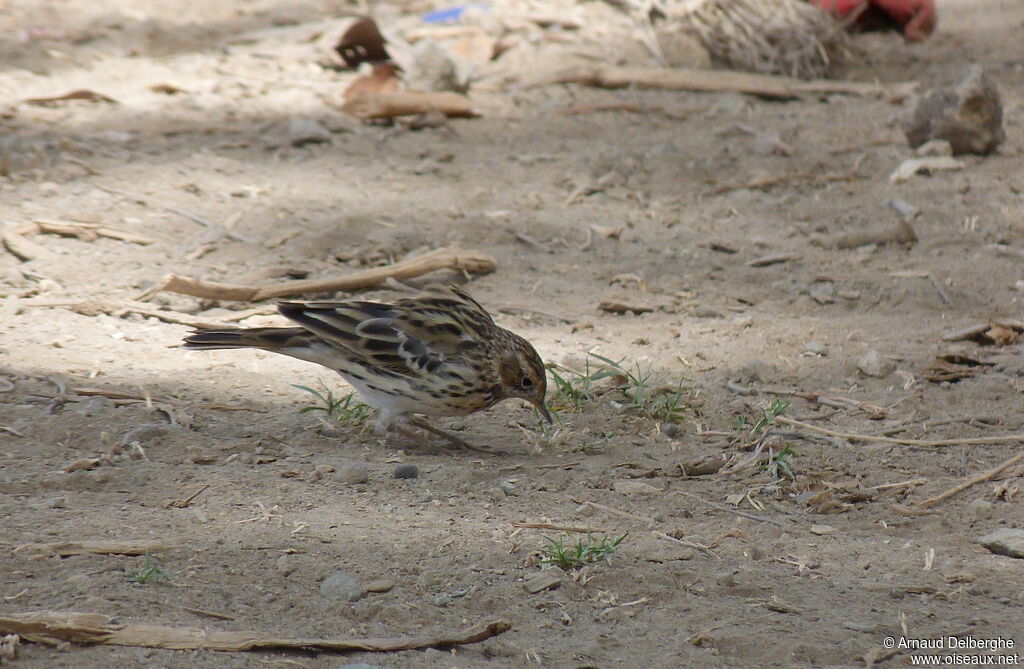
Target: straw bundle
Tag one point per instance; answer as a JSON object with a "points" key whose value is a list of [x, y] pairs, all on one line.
{"points": [[788, 37]]}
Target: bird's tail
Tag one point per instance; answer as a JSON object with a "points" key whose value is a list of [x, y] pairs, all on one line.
{"points": [[278, 340]]}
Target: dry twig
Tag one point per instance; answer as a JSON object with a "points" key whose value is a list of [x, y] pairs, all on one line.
{"points": [[51, 627], [928, 443], [448, 257], [971, 481]]}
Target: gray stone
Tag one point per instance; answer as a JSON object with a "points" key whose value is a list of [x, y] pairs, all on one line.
{"points": [[1005, 541], [872, 364], [815, 347], [286, 565], [360, 665], [353, 473], [143, 433], [980, 509], [670, 430], [406, 471], [302, 131], [969, 115], [934, 147], [434, 69], [549, 579], [340, 585]]}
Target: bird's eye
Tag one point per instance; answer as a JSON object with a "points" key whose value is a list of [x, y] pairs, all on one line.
{"points": [[527, 382]]}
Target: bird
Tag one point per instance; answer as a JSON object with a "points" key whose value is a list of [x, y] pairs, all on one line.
{"points": [[438, 353]]}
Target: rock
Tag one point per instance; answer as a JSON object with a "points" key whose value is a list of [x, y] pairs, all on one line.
{"points": [[670, 430], [815, 347], [57, 502], [969, 116], [380, 585], [143, 433], [549, 579], [705, 311], [1005, 541], [434, 69], [360, 665], [340, 585], [872, 364], [633, 487], [406, 472], [353, 473], [302, 131], [94, 406], [912, 166], [823, 530], [508, 488], [980, 509], [934, 147], [285, 565]]}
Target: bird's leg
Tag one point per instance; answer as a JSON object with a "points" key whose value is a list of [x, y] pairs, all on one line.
{"points": [[424, 425]]}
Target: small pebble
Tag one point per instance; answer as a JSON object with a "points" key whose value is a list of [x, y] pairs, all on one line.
{"points": [[57, 502], [406, 471], [823, 530], [874, 365], [340, 585], [508, 488], [143, 433], [285, 565], [352, 474], [380, 585], [360, 665], [302, 131], [815, 347], [980, 509], [670, 430]]}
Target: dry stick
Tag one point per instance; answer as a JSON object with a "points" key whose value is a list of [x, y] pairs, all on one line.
{"points": [[23, 248], [765, 182], [903, 442], [448, 257], [901, 232], [765, 85], [93, 628], [964, 485], [738, 512], [98, 547], [407, 103], [688, 544], [561, 528], [87, 231], [616, 512], [92, 308]]}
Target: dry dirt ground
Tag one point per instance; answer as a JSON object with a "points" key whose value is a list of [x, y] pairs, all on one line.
{"points": [[275, 512]]}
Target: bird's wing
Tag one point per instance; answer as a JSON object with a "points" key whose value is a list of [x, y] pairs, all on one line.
{"points": [[412, 337]]}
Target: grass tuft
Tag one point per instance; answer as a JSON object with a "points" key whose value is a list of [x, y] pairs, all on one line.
{"points": [[148, 573], [584, 552], [348, 409]]}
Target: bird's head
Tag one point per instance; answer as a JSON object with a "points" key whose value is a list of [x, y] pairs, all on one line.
{"points": [[522, 374]]}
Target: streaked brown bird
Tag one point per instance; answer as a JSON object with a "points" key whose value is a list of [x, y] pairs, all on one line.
{"points": [[436, 354]]}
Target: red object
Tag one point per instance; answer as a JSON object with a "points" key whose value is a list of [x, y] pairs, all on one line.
{"points": [[916, 18]]}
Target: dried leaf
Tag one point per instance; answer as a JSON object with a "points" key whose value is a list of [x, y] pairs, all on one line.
{"points": [[166, 89], [1002, 335], [80, 94], [383, 79]]}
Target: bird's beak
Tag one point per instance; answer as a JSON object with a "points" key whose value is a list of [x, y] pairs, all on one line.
{"points": [[542, 408]]}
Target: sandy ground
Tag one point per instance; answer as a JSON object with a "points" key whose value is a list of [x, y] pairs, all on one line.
{"points": [[823, 566]]}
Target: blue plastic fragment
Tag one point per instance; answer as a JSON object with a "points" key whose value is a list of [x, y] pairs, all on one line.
{"points": [[450, 14]]}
